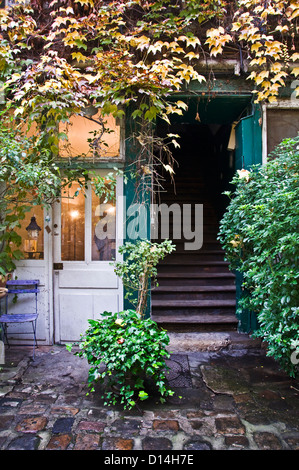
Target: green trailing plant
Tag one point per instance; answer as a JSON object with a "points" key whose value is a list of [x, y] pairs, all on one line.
{"points": [[127, 351], [260, 235]]}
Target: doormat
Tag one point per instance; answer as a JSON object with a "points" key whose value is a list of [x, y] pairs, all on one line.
{"points": [[179, 374]]}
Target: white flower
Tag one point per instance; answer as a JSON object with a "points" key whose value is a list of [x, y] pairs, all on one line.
{"points": [[244, 174]]}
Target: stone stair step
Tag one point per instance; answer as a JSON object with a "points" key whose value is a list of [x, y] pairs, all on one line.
{"points": [[193, 303], [194, 319], [194, 288]]}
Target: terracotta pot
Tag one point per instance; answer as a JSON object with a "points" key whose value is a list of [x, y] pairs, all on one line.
{"points": [[4, 279], [3, 292]]}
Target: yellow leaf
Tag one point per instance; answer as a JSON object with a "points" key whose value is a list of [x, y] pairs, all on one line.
{"points": [[156, 47], [255, 47], [266, 84], [261, 76], [85, 2], [294, 14], [216, 50], [191, 56], [251, 76], [143, 42], [79, 57], [282, 29], [295, 71], [276, 67], [193, 41], [181, 104], [260, 61], [212, 33]]}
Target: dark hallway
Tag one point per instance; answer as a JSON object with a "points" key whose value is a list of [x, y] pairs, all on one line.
{"points": [[196, 290]]}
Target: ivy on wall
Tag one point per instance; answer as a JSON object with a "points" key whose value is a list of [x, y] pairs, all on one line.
{"points": [[56, 58], [59, 57]]}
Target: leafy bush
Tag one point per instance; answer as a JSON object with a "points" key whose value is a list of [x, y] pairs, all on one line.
{"points": [[260, 235], [130, 347], [125, 352]]}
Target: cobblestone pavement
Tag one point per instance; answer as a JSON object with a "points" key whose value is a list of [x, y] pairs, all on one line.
{"points": [[232, 399]]}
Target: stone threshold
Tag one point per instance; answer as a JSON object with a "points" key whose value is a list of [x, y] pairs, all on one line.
{"points": [[192, 342]]}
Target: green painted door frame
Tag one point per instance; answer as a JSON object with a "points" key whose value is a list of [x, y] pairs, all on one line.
{"points": [[136, 197], [248, 152]]}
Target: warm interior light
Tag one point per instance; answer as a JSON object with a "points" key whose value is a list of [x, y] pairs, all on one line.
{"points": [[74, 214], [30, 246]]}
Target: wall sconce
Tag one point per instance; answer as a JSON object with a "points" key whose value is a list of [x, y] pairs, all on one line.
{"points": [[33, 231]]}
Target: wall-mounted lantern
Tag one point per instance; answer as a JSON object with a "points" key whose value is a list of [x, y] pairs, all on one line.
{"points": [[33, 230]]}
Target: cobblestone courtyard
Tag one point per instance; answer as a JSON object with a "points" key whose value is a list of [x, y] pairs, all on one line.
{"points": [[233, 399]]}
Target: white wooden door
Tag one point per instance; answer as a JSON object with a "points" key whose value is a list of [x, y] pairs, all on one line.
{"points": [[86, 234]]}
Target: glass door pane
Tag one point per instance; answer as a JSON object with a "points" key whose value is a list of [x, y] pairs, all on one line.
{"points": [[103, 229], [72, 224]]}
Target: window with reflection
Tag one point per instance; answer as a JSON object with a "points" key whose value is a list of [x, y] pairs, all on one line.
{"points": [[103, 229], [91, 138], [72, 224], [281, 124]]}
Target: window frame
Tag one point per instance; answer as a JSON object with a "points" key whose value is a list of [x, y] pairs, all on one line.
{"points": [[278, 105], [88, 227]]}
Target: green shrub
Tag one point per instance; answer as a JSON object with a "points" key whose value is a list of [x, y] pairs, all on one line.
{"points": [[260, 235], [130, 347], [127, 354]]}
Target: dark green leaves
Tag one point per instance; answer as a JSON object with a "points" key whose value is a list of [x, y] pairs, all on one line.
{"points": [[260, 235], [125, 351]]}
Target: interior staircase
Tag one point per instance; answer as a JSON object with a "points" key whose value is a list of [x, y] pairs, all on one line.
{"points": [[196, 291]]}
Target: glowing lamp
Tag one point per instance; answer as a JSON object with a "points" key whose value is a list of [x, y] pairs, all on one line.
{"points": [[33, 229]]}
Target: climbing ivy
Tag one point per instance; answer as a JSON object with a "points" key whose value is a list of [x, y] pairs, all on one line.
{"points": [[59, 57], [56, 58]]}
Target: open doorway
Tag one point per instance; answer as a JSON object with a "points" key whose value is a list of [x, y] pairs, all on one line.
{"points": [[196, 288]]}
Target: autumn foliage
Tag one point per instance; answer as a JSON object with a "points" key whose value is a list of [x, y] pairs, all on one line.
{"points": [[56, 58], [59, 57]]}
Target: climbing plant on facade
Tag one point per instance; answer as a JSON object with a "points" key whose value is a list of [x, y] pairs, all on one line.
{"points": [[59, 57], [56, 58]]}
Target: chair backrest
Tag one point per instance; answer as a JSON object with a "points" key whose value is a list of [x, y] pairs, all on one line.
{"points": [[22, 286], [19, 286]]}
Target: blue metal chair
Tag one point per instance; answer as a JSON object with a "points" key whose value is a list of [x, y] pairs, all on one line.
{"points": [[20, 287]]}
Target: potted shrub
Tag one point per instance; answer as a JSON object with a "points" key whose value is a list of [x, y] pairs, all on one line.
{"points": [[126, 350]]}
